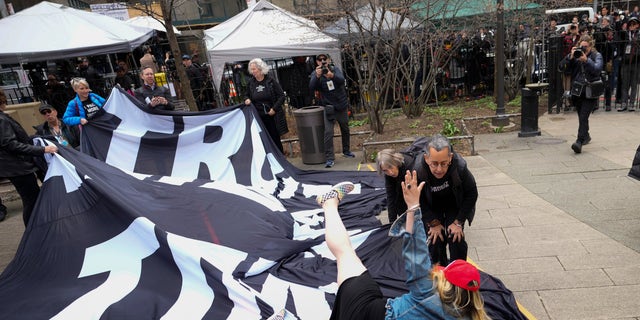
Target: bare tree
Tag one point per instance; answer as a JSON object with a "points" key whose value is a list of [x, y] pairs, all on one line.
{"points": [[397, 55], [399, 49]]}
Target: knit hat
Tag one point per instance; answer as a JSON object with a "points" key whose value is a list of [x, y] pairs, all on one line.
{"points": [[462, 274]]}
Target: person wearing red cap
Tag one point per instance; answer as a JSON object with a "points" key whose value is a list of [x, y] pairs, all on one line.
{"points": [[434, 293]]}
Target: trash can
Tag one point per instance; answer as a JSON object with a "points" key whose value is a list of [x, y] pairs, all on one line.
{"points": [[310, 124], [529, 113]]}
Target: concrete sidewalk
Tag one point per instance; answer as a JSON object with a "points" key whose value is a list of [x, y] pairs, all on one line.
{"points": [[562, 230]]}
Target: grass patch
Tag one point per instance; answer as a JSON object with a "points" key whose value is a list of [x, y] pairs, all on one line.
{"points": [[449, 112]]}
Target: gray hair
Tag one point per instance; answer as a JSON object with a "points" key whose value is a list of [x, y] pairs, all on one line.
{"points": [[438, 142], [75, 82], [261, 65], [389, 157]]}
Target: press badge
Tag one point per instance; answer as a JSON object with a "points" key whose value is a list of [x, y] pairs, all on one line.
{"points": [[627, 49], [330, 85]]}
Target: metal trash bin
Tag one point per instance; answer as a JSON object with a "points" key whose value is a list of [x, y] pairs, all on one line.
{"points": [[529, 113], [310, 126]]}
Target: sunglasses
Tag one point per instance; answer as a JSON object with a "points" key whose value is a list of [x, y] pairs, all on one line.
{"points": [[43, 112], [322, 59]]}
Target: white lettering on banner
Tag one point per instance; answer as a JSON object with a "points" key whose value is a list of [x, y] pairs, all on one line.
{"points": [[196, 296], [216, 156], [259, 156], [124, 267]]}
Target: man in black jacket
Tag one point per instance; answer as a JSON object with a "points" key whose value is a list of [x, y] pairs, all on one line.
{"points": [[630, 69], [152, 95], [447, 201], [54, 127], [329, 81]]}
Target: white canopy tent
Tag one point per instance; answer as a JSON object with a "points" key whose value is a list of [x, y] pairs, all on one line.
{"points": [[372, 19], [265, 31], [150, 22], [49, 31]]}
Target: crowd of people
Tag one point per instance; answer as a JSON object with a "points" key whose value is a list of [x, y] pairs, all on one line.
{"points": [[600, 58], [615, 37]]}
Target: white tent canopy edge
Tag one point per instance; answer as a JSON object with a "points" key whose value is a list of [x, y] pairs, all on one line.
{"points": [[265, 31], [50, 31]]}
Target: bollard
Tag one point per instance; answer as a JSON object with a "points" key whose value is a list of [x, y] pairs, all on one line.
{"points": [[529, 113]]}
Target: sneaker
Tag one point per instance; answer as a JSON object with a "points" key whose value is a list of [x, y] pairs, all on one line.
{"points": [[348, 154], [607, 108], [632, 108], [337, 191], [577, 147], [623, 107], [329, 164]]}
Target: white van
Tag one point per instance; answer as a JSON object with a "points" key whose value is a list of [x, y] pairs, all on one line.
{"points": [[564, 16]]}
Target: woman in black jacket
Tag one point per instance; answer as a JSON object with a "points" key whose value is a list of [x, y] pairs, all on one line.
{"points": [[16, 157], [585, 64], [393, 165], [267, 97]]}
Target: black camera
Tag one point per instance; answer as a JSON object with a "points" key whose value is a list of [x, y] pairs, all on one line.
{"points": [[324, 68], [578, 52]]}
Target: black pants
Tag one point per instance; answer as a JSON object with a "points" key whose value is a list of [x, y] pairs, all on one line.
{"points": [[272, 129], [457, 250], [28, 189], [584, 107]]}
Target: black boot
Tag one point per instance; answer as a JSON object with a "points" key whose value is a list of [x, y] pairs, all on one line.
{"points": [[577, 147]]}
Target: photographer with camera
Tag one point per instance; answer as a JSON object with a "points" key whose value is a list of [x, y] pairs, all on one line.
{"points": [[585, 64], [328, 80]]}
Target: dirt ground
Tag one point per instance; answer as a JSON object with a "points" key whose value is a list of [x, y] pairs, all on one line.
{"points": [[469, 117]]}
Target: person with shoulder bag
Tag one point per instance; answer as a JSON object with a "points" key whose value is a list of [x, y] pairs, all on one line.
{"points": [[585, 64], [328, 80]]}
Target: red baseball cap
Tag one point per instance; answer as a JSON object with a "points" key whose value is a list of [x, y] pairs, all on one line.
{"points": [[462, 274]]}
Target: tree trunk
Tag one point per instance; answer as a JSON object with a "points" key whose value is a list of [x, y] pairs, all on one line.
{"points": [[185, 84]]}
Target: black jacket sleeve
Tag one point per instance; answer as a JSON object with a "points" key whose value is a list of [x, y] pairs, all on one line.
{"points": [[9, 141]]}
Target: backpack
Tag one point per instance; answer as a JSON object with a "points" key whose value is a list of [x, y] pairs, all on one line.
{"points": [[418, 146]]}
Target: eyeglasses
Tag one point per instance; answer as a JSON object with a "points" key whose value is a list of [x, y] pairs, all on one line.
{"points": [[47, 111], [443, 164]]}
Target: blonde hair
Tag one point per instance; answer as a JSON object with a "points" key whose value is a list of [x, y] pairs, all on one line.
{"points": [[389, 157], [460, 301], [589, 39], [76, 82]]}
